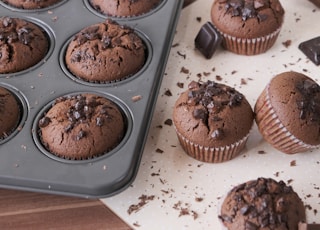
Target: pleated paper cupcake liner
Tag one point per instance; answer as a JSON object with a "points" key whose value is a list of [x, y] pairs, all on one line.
{"points": [[274, 131], [212, 154], [249, 46]]}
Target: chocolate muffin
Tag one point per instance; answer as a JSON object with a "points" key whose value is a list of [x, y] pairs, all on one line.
{"points": [[288, 112], [105, 52], [124, 8], [262, 204], [31, 4], [9, 113], [248, 27], [82, 127], [316, 2], [22, 44], [212, 121]]}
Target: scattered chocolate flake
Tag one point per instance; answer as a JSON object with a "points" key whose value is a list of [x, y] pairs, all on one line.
{"points": [[155, 174], [175, 45], [168, 93], [184, 70], [136, 224], [144, 199], [293, 163], [290, 181], [261, 152], [243, 81], [287, 43], [233, 72], [136, 98], [206, 74], [159, 150], [199, 199], [168, 122], [180, 84], [198, 19], [181, 54], [218, 78]]}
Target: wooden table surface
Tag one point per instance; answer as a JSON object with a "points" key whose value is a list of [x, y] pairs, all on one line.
{"points": [[28, 210]]}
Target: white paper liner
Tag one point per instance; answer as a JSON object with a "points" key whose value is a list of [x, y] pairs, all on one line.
{"points": [[273, 130], [212, 154], [249, 46]]}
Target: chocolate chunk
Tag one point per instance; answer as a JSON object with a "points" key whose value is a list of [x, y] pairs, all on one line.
{"points": [[43, 122], [208, 40], [311, 49]]}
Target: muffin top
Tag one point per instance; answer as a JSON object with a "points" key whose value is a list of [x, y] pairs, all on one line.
{"points": [[82, 126], [31, 4], [247, 18], [9, 113], [124, 8], [295, 99], [212, 114], [105, 52], [22, 44], [262, 204]]}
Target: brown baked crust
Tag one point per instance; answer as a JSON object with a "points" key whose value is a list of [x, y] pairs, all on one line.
{"points": [[82, 126], [9, 113], [223, 118], [248, 19], [105, 52], [262, 204], [22, 44], [295, 100], [124, 8], [31, 4]]}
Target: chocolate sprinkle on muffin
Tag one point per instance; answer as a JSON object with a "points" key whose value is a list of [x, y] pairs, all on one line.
{"points": [[22, 44], [105, 52], [262, 204], [82, 127]]}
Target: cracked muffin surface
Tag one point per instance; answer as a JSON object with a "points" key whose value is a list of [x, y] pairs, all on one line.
{"points": [[82, 126], [105, 52], [214, 116], [22, 44], [262, 204], [124, 8]]}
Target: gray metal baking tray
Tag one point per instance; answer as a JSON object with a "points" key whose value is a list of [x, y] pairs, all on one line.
{"points": [[24, 162]]}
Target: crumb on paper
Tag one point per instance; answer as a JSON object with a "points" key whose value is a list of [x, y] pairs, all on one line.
{"points": [[287, 43], [136, 98], [181, 54], [168, 122], [261, 152], [168, 93], [159, 150], [180, 85], [184, 70], [293, 163], [144, 199]]}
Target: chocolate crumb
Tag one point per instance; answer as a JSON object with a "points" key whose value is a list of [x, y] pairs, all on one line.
{"points": [[159, 150], [184, 70], [168, 93], [198, 19], [168, 122], [180, 84], [181, 54], [287, 43], [293, 163], [261, 152]]}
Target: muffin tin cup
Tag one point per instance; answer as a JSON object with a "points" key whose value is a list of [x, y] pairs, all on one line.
{"points": [[25, 164], [122, 107], [13, 8]]}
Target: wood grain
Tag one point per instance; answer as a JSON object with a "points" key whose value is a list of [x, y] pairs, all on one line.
{"points": [[27, 210]]}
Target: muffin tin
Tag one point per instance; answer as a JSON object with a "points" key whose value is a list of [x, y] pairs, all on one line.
{"points": [[24, 162]]}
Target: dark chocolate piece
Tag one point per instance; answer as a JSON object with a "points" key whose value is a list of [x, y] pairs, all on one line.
{"points": [[311, 49], [208, 40]]}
